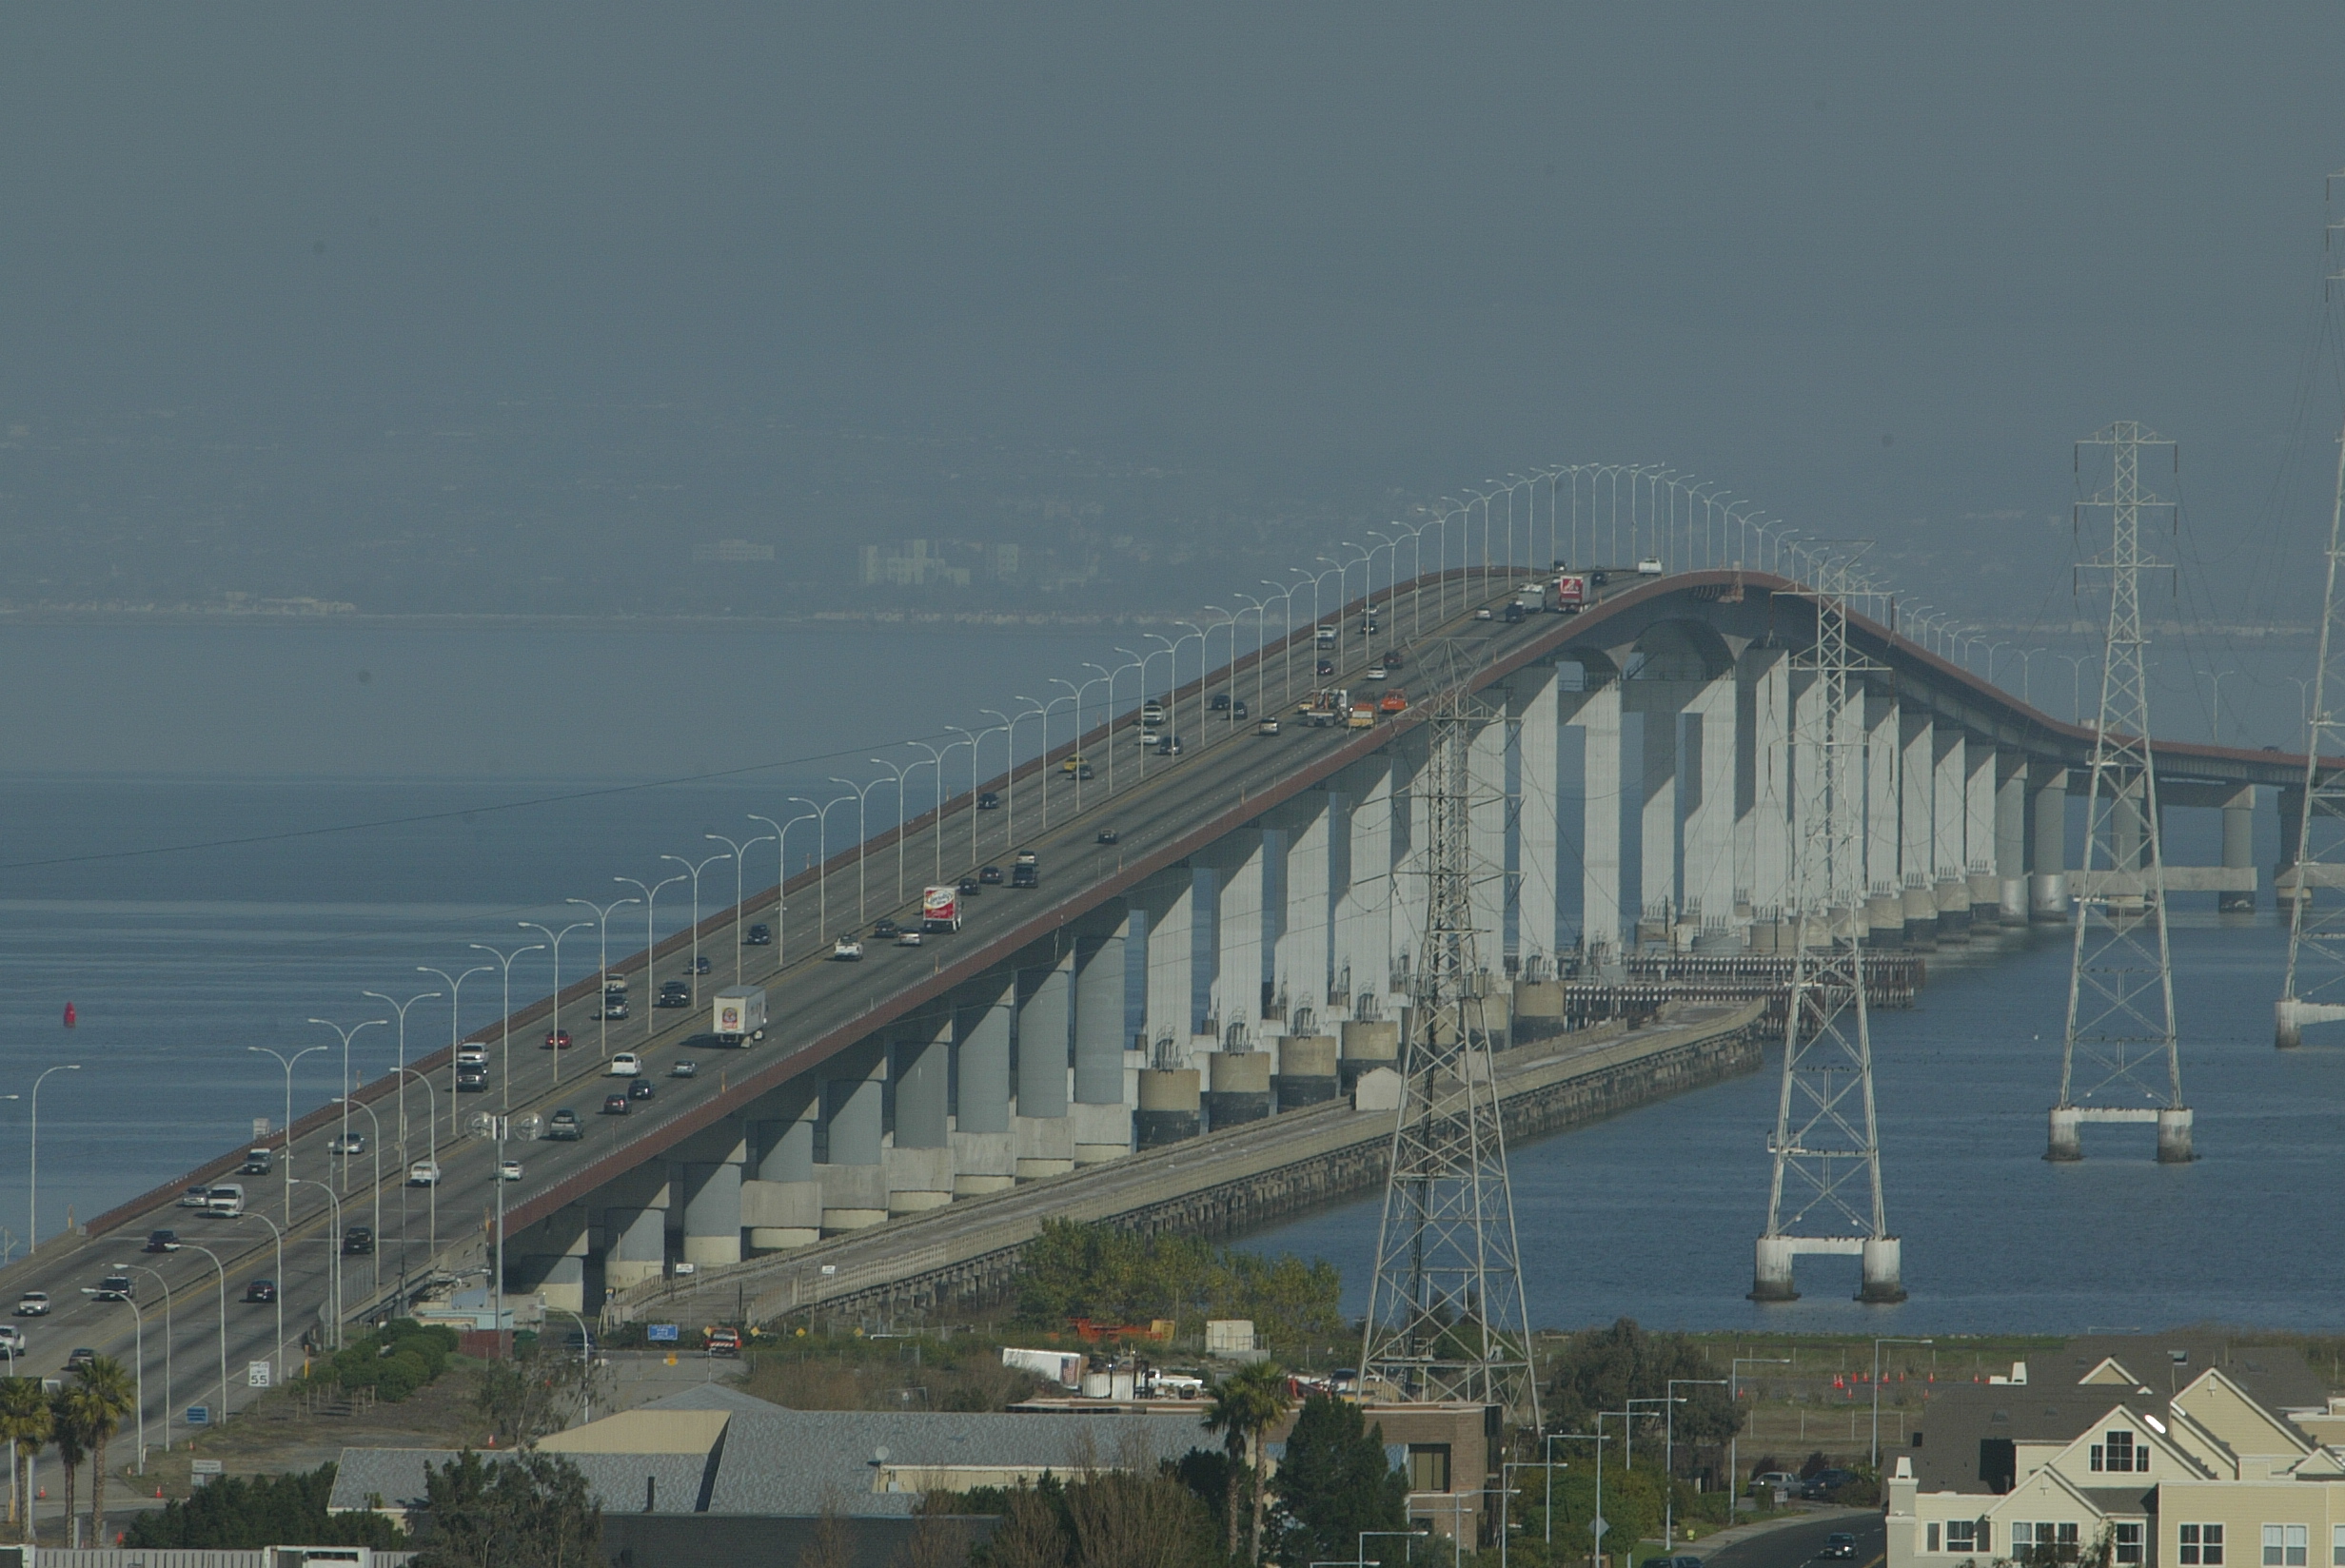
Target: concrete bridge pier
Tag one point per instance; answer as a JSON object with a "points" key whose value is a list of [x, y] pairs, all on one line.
{"points": [[1101, 1111], [2011, 837], [782, 1202], [2066, 1143], [1882, 795], [1169, 901], [1405, 917], [1917, 833], [2239, 849], [1880, 1266], [919, 1163], [1308, 1070], [711, 1193], [549, 1259], [1919, 906], [984, 1148], [1591, 704], [851, 1171], [1044, 1136], [1884, 917], [1532, 698], [1240, 866], [1171, 1107], [1978, 845], [1489, 808], [1361, 874], [2047, 834], [1706, 790], [635, 1227], [2174, 1129], [1761, 783], [1299, 955]]}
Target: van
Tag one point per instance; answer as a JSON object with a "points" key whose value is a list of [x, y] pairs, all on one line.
{"points": [[226, 1202], [472, 1053], [1326, 636], [257, 1162]]}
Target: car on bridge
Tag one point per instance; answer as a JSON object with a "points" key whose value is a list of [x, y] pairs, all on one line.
{"points": [[113, 1287], [684, 1068], [613, 1009], [969, 887], [347, 1144], [161, 1241], [760, 935], [908, 939], [34, 1303], [508, 1170], [260, 1292], [675, 993], [990, 875], [195, 1197], [989, 802], [639, 1089], [846, 950], [1324, 667], [614, 1105], [1107, 835], [1840, 1544], [625, 1064], [472, 1053], [472, 1078], [697, 964], [358, 1242], [563, 1128], [885, 929], [423, 1173], [1221, 702], [79, 1357], [1485, 612], [1268, 727], [556, 1040]]}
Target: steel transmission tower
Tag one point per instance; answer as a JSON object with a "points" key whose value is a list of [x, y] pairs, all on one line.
{"points": [[2313, 991], [1445, 1313], [2118, 1045], [1826, 1145]]}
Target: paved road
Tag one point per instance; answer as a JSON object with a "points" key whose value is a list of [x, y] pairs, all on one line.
{"points": [[1797, 1545], [1154, 801]]}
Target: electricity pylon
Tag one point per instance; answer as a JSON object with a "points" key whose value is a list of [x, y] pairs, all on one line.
{"points": [[1445, 1313], [2118, 1045], [2313, 989], [1826, 1145]]}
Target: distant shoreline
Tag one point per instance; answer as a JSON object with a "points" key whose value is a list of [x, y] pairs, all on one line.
{"points": [[1003, 621]]}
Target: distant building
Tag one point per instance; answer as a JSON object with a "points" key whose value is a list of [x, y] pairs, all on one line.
{"points": [[915, 563], [732, 552]]}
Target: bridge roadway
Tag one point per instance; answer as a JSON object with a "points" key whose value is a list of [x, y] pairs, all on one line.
{"points": [[1162, 809], [1172, 810]]}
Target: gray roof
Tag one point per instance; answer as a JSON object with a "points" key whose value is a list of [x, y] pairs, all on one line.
{"points": [[2276, 1376], [395, 1475], [1959, 1417]]}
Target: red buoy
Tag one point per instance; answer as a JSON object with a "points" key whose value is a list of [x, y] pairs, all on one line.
{"points": [[69, 1015]]}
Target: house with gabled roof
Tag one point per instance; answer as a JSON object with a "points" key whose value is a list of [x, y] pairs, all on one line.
{"points": [[2228, 1459]]}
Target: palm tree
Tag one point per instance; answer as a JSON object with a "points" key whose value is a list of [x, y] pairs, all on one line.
{"points": [[24, 1422], [69, 1435], [1244, 1405], [104, 1396]]}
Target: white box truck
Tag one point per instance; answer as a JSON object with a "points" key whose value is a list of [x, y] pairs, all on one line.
{"points": [[740, 1016]]}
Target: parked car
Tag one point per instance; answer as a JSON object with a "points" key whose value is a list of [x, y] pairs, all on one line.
{"points": [[1824, 1483], [1774, 1481], [989, 802], [508, 1170], [1107, 835], [625, 1064], [639, 1089], [847, 951], [161, 1241], [261, 1291], [556, 1040], [614, 1105], [562, 1125], [990, 875], [760, 935], [347, 1144], [358, 1242], [114, 1288], [423, 1173], [684, 1069], [34, 1303], [885, 929]]}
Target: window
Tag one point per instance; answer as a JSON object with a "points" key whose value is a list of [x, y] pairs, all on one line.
{"points": [[2202, 1546], [2336, 1546], [2129, 1544], [2117, 1451], [2287, 1545], [1965, 1535], [1429, 1467], [1933, 1546], [2043, 1544]]}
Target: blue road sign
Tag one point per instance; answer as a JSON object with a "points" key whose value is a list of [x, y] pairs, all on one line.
{"points": [[199, 1415], [659, 1333]]}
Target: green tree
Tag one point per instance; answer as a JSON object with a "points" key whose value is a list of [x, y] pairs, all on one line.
{"points": [[240, 1512], [1032, 1532], [1244, 1405], [1334, 1483], [1604, 1368], [24, 1421], [526, 1511], [69, 1433], [103, 1396]]}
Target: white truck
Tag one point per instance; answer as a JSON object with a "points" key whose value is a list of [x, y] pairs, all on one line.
{"points": [[940, 908], [1063, 1367], [740, 1016]]}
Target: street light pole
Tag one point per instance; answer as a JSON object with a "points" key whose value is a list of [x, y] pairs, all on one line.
{"points": [[344, 1096], [32, 1211], [505, 1024], [902, 813], [374, 1273], [222, 1272], [333, 1241], [651, 953], [286, 1062], [1668, 1453], [167, 1401], [456, 997], [431, 1152], [696, 871], [554, 937], [1877, 1344], [936, 818], [602, 1025], [781, 896], [1734, 1392], [278, 1281], [400, 1008], [738, 854]]}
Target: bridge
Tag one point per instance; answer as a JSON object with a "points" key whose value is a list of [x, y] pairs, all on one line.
{"points": [[1219, 938]]}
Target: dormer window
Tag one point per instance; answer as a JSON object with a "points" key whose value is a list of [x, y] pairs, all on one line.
{"points": [[2118, 1452]]}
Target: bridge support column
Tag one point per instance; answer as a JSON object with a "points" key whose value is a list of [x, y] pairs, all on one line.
{"points": [[984, 1151], [782, 1202], [919, 1164], [1045, 1138], [549, 1259], [1949, 870], [1489, 805], [1359, 873], [2292, 828], [712, 1213], [2239, 848], [1532, 698], [1881, 808], [636, 1249], [1880, 1267], [1239, 863], [1405, 916], [854, 1187], [1306, 911], [2011, 837], [1169, 900], [1979, 841], [1307, 1070], [1707, 787], [1771, 1276], [1592, 706], [2047, 837], [1655, 798], [1762, 789], [1916, 843], [1101, 1111]]}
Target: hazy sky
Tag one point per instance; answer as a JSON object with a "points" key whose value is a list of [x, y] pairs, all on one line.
{"points": [[1869, 265]]}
